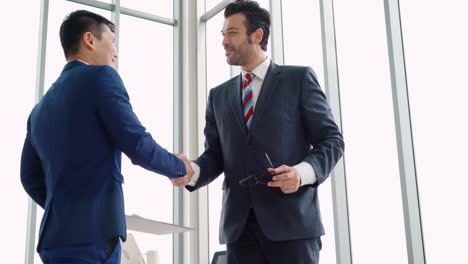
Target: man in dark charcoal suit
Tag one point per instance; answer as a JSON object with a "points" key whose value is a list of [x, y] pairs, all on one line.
{"points": [[270, 210], [71, 160]]}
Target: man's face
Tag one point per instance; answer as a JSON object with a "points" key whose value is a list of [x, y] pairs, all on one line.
{"points": [[238, 46], [105, 51]]}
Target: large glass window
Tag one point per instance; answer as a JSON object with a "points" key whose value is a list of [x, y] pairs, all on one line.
{"points": [[160, 7], [305, 48], [211, 3], [18, 74], [375, 207], [146, 67], [218, 71], [436, 57]]}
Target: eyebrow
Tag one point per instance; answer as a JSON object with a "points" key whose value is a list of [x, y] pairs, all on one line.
{"points": [[230, 28]]}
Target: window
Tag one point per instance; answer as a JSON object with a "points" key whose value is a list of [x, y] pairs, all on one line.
{"points": [[218, 71], [146, 67], [162, 8], [304, 47], [374, 193], [18, 71], [211, 3], [436, 56]]}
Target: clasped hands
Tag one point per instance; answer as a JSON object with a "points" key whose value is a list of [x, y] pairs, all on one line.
{"points": [[183, 181], [285, 177]]}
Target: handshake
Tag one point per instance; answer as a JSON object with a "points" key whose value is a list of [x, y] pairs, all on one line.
{"points": [[286, 178], [183, 181]]}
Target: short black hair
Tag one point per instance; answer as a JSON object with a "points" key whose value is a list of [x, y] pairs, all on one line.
{"points": [[256, 17], [77, 23]]}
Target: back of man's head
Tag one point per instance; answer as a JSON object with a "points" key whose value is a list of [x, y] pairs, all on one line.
{"points": [[256, 17], [77, 23]]}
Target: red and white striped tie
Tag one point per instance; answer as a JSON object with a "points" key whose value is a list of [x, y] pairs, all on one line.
{"points": [[247, 99]]}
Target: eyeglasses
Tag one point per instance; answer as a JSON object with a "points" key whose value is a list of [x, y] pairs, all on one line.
{"points": [[255, 179]]}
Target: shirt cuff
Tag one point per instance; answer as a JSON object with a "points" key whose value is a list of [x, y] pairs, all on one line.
{"points": [[196, 174], [306, 173]]}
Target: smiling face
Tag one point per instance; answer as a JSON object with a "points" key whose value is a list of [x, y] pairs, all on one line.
{"points": [[240, 48], [105, 52]]}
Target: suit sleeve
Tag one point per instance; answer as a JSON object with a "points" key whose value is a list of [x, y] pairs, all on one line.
{"points": [[31, 172], [324, 135], [126, 131], [211, 161]]}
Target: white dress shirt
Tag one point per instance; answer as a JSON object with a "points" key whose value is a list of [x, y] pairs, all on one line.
{"points": [[305, 170]]}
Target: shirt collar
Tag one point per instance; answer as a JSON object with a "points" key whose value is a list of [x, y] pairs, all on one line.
{"points": [[79, 61], [261, 70], [84, 62]]}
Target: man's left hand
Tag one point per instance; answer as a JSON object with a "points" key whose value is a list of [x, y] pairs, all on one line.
{"points": [[287, 178]]}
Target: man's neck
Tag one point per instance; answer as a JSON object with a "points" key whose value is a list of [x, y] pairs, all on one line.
{"points": [[257, 61], [80, 57]]}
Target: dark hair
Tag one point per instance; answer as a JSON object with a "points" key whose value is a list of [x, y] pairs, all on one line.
{"points": [[77, 23], [256, 17]]}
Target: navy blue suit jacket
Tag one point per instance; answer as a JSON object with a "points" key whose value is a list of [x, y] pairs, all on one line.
{"points": [[71, 159], [292, 122]]}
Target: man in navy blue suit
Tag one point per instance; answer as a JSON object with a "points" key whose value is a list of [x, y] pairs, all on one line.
{"points": [[71, 159], [271, 131]]}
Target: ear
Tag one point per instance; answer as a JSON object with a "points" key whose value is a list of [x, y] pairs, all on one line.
{"points": [[87, 40], [257, 36]]}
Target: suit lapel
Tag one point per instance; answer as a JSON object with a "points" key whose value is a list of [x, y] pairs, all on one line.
{"points": [[268, 88], [235, 102]]}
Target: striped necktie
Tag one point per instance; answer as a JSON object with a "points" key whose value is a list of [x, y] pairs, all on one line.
{"points": [[247, 99]]}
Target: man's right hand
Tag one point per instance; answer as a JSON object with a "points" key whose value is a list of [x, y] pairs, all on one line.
{"points": [[183, 181]]}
